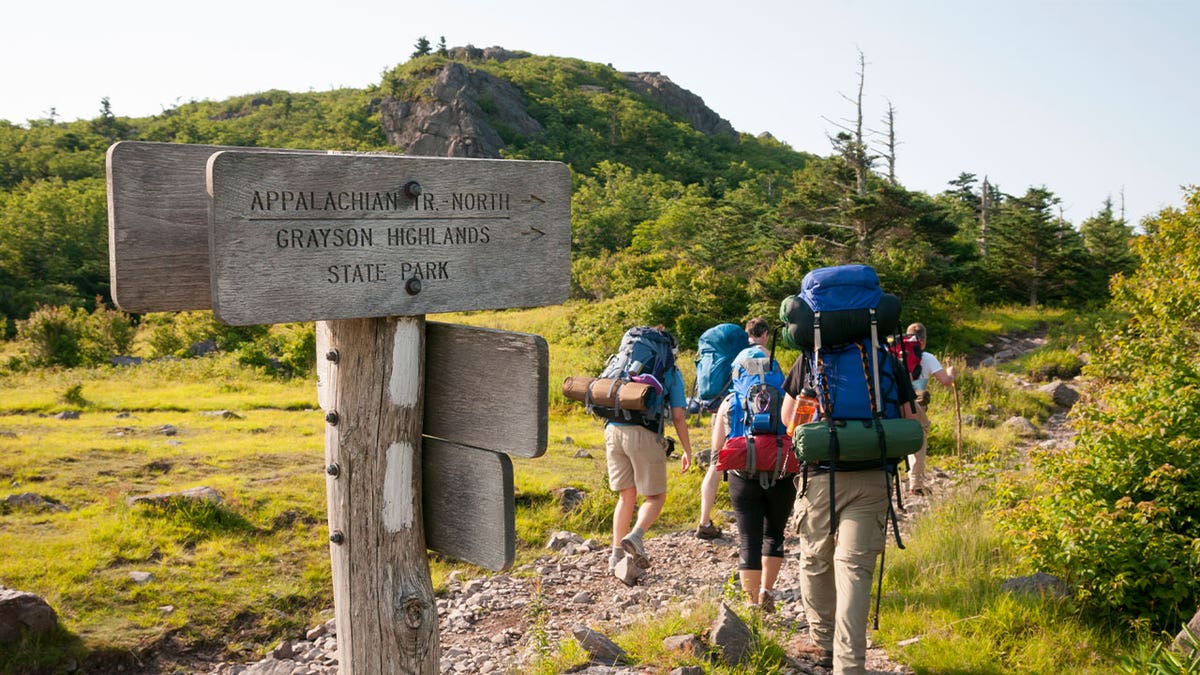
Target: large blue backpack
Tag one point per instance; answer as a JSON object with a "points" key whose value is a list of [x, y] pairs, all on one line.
{"points": [[858, 381], [757, 395], [716, 350], [645, 355], [838, 304], [756, 442]]}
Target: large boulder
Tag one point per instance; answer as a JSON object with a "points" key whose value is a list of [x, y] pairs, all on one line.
{"points": [[1063, 395], [23, 614]]}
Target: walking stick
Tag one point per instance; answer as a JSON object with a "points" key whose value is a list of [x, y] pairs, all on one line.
{"points": [[957, 419], [879, 588]]}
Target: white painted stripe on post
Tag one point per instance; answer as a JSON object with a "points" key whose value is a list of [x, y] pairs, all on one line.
{"points": [[406, 362], [397, 488]]}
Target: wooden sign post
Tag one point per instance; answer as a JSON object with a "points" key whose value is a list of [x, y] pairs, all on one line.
{"points": [[366, 245]]}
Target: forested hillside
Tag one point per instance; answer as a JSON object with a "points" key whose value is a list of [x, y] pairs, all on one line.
{"points": [[667, 196]]}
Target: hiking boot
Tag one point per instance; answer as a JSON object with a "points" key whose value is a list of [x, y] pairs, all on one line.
{"points": [[617, 556], [708, 531], [766, 601], [632, 543], [806, 649]]}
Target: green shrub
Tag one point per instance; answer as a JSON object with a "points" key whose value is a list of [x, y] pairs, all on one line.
{"points": [[288, 349], [51, 336], [174, 334], [1118, 514], [106, 333]]}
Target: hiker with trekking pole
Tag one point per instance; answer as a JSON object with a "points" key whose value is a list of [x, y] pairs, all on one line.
{"points": [[922, 365], [855, 426]]}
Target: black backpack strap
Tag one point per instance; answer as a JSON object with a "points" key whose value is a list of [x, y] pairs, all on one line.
{"points": [[892, 479]]}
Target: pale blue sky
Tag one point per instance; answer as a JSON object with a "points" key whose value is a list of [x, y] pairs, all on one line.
{"points": [[1086, 98]]}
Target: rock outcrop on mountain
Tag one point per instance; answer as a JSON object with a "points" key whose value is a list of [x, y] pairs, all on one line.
{"points": [[451, 123], [679, 101], [450, 119]]}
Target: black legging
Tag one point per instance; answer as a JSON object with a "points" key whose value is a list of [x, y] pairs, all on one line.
{"points": [[762, 516]]}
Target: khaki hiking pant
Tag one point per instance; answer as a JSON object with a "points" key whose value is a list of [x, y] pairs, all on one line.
{"points": [[837, 569], [916, 461]]}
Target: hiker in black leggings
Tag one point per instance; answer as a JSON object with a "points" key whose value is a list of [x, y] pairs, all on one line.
{"points": [[762, 515]]}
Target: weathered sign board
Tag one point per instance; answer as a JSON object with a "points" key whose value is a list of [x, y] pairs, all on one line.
{"points": [[366, 245], [158, 221], [158, 225], [487, 388], [299, 237]]}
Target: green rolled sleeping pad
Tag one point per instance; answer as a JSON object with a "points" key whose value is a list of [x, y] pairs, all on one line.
{"points": [[858, 440]]}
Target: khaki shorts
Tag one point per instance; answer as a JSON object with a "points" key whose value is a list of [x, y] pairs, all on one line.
{"points": [[637, 457]]}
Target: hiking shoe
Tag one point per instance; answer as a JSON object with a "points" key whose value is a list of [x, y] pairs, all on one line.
{"points": [[633, 546], [810, 651], [919, 492], [617, 556], [766, 601], [708, 531]]}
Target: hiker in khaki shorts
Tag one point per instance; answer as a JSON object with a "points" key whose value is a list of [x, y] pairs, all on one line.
{"points": [[637, 465]]}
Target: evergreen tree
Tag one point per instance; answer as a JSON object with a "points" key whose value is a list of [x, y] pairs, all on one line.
{"points": [[1108, 240], [422, 46], [1023, 248], [441, 48]]}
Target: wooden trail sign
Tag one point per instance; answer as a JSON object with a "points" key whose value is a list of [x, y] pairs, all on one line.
{"points": [[158, 218], [158, 225], [300, 237], [372, 382]]}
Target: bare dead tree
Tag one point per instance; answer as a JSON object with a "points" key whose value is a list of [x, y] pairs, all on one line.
{"points": [[890, 142], [850, 142]]}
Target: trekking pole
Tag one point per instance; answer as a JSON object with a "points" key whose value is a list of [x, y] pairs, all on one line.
{"points": [[957, 419], [879, 587]]}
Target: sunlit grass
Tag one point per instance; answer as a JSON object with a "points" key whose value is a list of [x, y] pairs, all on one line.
{"points": [[943, 603]]}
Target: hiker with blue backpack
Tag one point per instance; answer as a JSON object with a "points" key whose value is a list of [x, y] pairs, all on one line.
{"points": [[635, 447], [864, 424], [752, 448], [719, 346]]}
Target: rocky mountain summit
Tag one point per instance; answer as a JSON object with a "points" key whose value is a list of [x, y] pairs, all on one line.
{"points": [[459, 114]]}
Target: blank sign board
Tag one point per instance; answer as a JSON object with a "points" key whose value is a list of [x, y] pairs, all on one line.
{"points": [[298, 237]]}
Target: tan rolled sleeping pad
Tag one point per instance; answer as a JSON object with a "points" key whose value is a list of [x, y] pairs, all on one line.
{"points": [[608, 393]]}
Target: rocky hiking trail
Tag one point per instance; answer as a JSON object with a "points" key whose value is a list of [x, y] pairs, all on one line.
{"points": [[498, 623]]}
